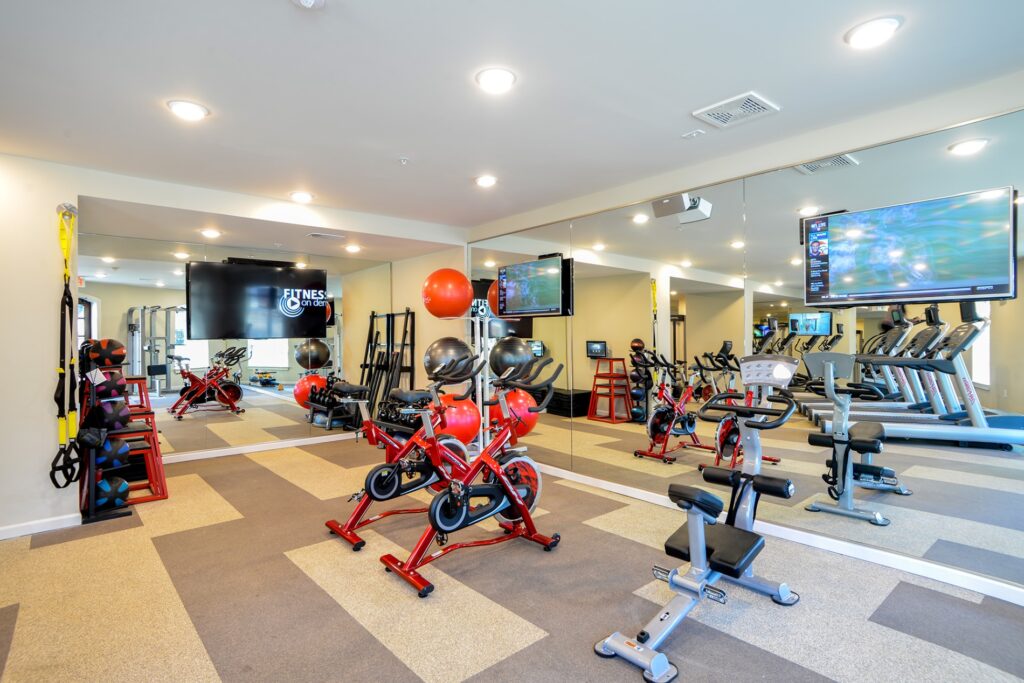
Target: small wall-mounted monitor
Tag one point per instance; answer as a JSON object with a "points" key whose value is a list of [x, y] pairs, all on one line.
{"points": [[537, 346], [597, 349]]}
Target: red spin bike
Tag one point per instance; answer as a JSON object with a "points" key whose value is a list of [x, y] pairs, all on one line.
{"points": [[211, 388], [507, 490], [728, 449], [670, 418], [424, 459]]}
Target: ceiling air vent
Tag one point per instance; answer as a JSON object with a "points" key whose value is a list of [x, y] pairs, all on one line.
{"points": [[326, 235], [829, 164], [736, 110]]}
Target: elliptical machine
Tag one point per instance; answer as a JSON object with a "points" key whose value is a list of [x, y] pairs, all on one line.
{"points": [[866, 438], [718, 550]]}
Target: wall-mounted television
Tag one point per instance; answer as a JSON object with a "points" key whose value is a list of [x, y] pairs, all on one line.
{"points": [[537, 347], [248, 301], [536, 288], [597, 349], [956, 248], [811, 324]]}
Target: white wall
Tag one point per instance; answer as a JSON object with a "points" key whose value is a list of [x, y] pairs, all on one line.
{"points": [[30, 272]]}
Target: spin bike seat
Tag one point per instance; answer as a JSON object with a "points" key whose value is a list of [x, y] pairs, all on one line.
{"points": [[407, 396], [730, 550], [346, 389]]}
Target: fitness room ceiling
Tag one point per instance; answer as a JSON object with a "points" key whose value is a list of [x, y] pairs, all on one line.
{"points": [[133, 289], [964, 506]]}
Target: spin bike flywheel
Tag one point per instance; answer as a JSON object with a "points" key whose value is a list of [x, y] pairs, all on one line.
{"points": [[522, 472], [659, 424]]}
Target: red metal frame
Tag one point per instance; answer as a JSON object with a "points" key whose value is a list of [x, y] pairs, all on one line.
{"points": [[441, 459], [679, 408], [521, 528], [737, 452], [199, 386]]}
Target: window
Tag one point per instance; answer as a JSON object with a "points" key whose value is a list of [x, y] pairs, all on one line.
{"points": [[981, 351], [269, 353], [196, 350], [84, 319]]}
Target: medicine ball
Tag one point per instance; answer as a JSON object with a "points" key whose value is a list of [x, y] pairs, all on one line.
{"points": [[113, 453], [447, 293], [109, 415], [519, 404], [305, 385], [637, 344], [112, 386], [636, 376], [106, 352], [111, 492], [509, 352], [312, 354], [443, 350], [637, 394], [638, 414]]}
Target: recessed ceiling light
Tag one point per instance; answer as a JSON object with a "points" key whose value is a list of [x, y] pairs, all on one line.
{"points": [[778, 283], [686, 263], [784, 304], [300, 265], [737, 244], [160, 284], [489, 264], [641, 218], [795, 261], [598, 247], [181, 255], [353, 248], [495, 81], [178, 271], [772, 305], [486, 181], [966, 148], [108, 259], [872, 33], [211, 233], [188, 111], [809, 211], [301, 196], [101, 275], [673, 292]]}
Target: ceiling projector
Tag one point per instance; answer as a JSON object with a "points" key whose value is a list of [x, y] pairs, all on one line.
{"points": [[687, 207]]}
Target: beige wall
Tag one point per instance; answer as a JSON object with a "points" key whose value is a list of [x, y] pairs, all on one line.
{"points": [[115, 300], [1007, 390], [362, 293], [712, 318]]}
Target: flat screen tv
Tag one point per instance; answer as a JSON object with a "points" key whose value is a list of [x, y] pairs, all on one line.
{"points": [[811, 324], [957, 248], [597, 349], [243, 301], [536, 288]]}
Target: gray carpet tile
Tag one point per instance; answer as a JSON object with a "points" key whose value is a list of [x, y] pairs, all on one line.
{"points": [[1005, 567]]}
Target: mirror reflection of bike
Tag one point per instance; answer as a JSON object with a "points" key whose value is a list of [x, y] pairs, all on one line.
{"points": [[211, 388]]}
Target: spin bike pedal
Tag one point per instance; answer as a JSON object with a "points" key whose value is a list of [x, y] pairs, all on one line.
{"points": [[357, 496], [661, 573], [716, 594]]}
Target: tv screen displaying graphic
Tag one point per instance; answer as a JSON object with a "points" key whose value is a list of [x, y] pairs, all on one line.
{"points": [[597, 349], [955, 248], [811, 324], [536, 288], [242, 301]]}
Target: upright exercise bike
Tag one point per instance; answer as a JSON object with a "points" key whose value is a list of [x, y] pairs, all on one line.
{"points": [[492, 486], [670, 417], [718, 550], [213, 387]]}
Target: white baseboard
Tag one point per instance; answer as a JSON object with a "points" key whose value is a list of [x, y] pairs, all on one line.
{"points": [[255, 447], [39, 525], [887, 558]]}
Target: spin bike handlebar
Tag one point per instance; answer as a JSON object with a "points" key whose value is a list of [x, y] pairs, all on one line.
{"points": [[518, 379], [717, 404]]}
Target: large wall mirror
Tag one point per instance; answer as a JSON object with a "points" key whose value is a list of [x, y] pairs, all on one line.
{"points": [[696, 273]]}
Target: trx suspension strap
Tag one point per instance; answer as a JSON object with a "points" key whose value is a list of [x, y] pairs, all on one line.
{"points": [[65, 467]]}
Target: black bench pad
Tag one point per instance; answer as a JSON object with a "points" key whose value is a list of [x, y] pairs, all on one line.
{"points": [[730, 550]]}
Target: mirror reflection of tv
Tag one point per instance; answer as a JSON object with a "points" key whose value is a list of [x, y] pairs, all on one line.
{"points": [[536, 288], [597, 349], [537, 346], [811, 324], [248, 301], [958, 248]]}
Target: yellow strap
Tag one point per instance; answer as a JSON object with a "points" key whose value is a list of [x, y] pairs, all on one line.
{"points": [[73, 424], [62, 431], [66, 228]]}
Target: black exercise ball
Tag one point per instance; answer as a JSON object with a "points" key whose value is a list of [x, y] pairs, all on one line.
{"points": [[443, 350], [637, 344], [113, 453], [509, 352], [312, 354], [112, 386], [109, 415], [111, 492]]}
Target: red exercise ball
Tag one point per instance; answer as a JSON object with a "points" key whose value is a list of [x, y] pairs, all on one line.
{"points": [[492, 297], [518, 403], [447, 293], [462, 419], [305, 385]]}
